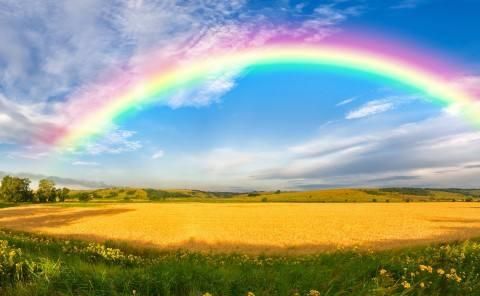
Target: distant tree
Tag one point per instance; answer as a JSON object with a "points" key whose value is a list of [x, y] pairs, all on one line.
{"points": [[46, 191], [84, 196], [62, 194], [14, 189], [277, 192]]}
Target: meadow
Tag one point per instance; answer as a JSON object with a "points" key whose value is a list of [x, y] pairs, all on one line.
{"points": [[182, 242], [39, 265]]}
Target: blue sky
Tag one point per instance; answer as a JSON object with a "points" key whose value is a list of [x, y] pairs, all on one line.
{"points": [[282, 128]]}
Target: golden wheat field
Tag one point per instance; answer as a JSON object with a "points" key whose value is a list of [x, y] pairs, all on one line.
{"points": [[254, 227]]}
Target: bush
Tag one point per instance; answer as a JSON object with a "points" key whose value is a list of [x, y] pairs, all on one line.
{"points": [[154, 194], [264, 199], [84, 197], [13, 267], [468, 199], [408, 191], [374, 200]]}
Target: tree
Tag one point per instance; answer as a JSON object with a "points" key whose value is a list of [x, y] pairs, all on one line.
{"points": [[62, 194], [16, 189], [46, 191], [84, 196]]}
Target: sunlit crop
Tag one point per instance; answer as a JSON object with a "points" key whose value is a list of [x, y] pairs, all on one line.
{"points": [[255, 227]]}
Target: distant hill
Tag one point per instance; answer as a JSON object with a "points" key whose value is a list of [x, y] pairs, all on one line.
{"points": [[403, 194]]}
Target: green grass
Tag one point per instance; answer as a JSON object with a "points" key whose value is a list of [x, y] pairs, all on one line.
{"points": [[7, 204], [47, 266]]}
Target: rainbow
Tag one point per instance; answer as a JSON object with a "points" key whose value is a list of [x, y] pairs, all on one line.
{"points": [[415, 70]]}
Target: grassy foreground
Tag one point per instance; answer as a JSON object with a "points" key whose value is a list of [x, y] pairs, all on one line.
{"points": [[36, 265]]}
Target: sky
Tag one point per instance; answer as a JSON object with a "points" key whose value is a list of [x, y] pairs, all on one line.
{"points": [[288, 128]]}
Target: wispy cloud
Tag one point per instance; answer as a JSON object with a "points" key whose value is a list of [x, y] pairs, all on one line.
{"points": [[346, 101], [414, 150], [85, 163], [407, 4], [61, 49], [114, 142], [371, 108], [158, 154]]}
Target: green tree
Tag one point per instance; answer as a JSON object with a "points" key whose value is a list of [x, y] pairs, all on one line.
{"points": [[84, 196], [46, 191], [16, 189], [62, 194]]}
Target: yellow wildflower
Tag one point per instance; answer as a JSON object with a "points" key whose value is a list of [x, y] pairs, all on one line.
{"points": [[383, 271], [422, 285], [313, 293], [458, 279], [440, 271], [406, 285], [426, 268]]}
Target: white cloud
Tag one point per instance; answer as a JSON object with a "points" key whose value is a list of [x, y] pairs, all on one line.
{"points": [[85, 163], [5, 118], [346, 101], [114, 142], [62, 49], [24, 124], [371, 108], [158, 154], [410, 154]]}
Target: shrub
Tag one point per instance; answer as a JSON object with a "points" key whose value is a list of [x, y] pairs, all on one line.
{"points": [[408, 191], [154, 194], [374, 200], [84, 196], [264, 199], [13, 267]]}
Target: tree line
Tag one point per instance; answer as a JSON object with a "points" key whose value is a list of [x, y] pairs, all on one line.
{"points": [[15, 189]]}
